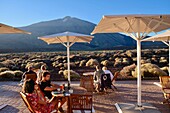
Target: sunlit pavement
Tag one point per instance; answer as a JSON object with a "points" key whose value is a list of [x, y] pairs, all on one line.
{"points": [[9, 94]]}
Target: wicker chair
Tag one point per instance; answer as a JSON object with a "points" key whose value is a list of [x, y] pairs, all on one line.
{"points": [[24, 98], [106, 82], [87, 83], [81, 102], [165, 82]]}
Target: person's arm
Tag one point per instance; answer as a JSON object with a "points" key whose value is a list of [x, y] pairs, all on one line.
{"points": [[55, 85], [23, 77], [94, 75], [43, 87], [50, 88]]}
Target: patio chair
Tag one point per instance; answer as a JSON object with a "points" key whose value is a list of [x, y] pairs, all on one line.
{"points": [[114, 78], [165, 82], [106, 82], [87, 83], [24, 98], [32, 76], [81, 103]]}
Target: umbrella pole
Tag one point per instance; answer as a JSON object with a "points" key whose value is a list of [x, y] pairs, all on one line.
{"points": [[169, 57], [139, 65], [68, 62], [139, 72]]}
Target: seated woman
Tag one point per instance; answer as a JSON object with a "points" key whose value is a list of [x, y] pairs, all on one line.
{"points": [[97, 77], [32, 75], [39, 105]]}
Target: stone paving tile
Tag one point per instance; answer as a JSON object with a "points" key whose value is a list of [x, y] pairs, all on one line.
{"points": [[103, 103]]}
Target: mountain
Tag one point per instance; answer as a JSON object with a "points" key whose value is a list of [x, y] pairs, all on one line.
{"points": [[24, 42]]}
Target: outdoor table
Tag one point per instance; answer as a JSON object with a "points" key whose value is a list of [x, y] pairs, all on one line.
{"points": [[86, 81], [76, 90]]}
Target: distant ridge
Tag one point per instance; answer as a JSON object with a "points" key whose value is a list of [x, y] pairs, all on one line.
{"points": [[24, 43]]}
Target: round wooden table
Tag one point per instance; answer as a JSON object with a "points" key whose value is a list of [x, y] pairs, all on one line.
{"points": [[76, 90]]}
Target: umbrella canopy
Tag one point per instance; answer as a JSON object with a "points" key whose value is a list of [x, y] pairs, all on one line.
{"points": [[137, 27], [5, 29], [160, 37], [66, 37], [165, 38], [129, 23], [69, 38]]}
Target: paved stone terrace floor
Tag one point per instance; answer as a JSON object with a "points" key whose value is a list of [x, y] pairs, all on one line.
{"points": [[103, 103]]}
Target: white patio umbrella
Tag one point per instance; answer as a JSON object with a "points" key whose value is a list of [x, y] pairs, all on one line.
{"points": [[69, 38], [137, 27], [5, 29], [165, 38]]}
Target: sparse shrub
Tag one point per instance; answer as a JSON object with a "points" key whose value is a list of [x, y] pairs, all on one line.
{"points": [[35, 65], [59, 57], [7, 74], [4, 69], [134, 59], [163, 60], [103, 55], [73, 74], [23, 66], [149, 70], [118, 62], [166, 69], [127, 71], [126, 61], [60, 72], [72, 65], [105, 63], [82, 63], [1, 65], [64, 61], [154, 60], [130, 53], [14, 68], [58, 65], [54, 64], [62, 68], [145, 61], [77, 63], [8, 63], [92, 63], [18, 73], [111, 58]]}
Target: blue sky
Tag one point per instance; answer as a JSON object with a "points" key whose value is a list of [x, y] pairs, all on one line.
{"points": [[24, 12]]}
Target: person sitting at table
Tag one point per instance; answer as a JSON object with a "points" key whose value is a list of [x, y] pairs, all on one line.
{"points": [[29, 74], [97, 77], [33, 76], [106, 71], [47, 87], [39, 106], [40, 73]]}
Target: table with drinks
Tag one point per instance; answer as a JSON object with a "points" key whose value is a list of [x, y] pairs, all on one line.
{"points": [[64, 91]]}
